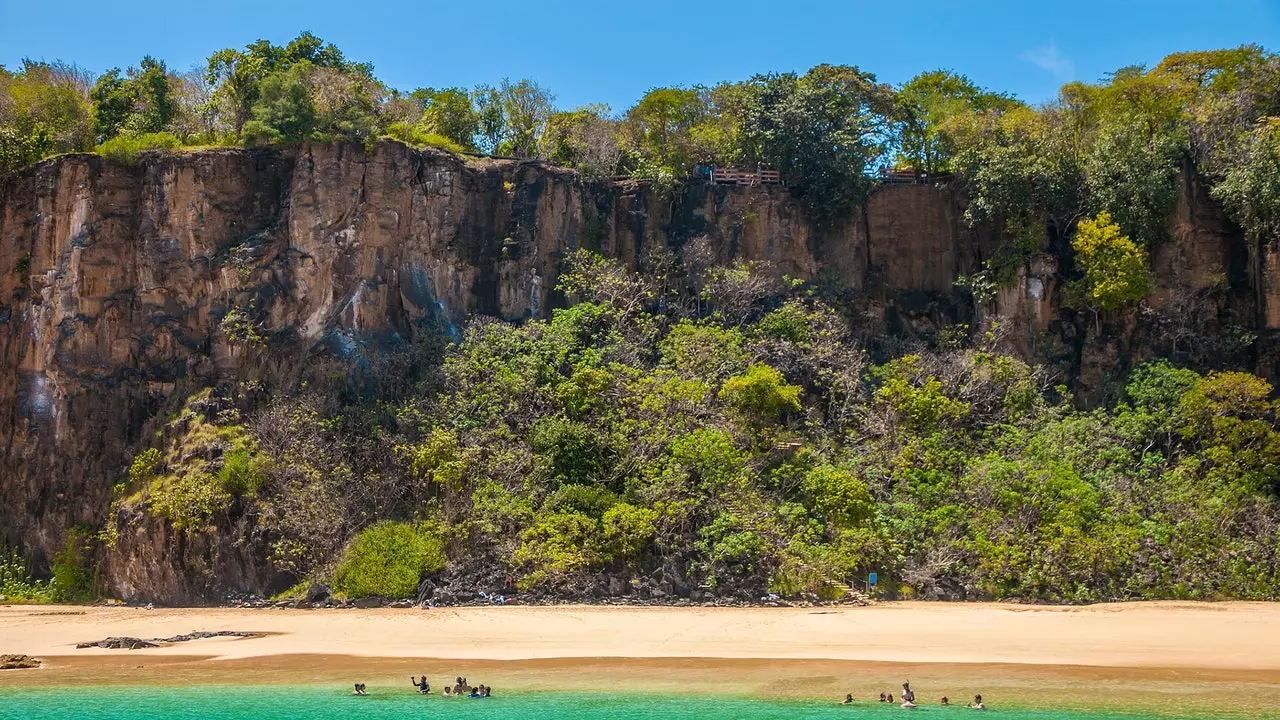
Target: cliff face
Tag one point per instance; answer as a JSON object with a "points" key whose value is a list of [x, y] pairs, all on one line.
{"points": [[114, 279]]}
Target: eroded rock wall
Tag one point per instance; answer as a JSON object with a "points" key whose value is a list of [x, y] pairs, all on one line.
{"points": [[114, 279]]}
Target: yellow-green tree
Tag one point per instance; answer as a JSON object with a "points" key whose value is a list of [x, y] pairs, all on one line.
{"points": [[1114, 267]]}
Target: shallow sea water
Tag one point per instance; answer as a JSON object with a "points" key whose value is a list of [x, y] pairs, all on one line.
{"points": [[323, 703]]}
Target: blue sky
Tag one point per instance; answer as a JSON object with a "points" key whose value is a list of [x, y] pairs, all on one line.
{"points": [[610, 51]]}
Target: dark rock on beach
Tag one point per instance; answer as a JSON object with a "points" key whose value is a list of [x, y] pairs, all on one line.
{"points": [[18, 662], [132, 643], [118, 643]]}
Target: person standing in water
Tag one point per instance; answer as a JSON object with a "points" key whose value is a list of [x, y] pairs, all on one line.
{"points": [[423, 687], [977, 703], [908, 696]]}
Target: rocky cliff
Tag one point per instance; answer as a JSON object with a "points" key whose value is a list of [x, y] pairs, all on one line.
{"points": [[115, 281]]}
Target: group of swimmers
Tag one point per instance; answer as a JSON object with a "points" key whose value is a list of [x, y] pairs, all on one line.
{"points": [[460, 688], [909, 699]]}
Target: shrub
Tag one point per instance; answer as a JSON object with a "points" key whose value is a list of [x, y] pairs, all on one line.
{"points": [[761, 391], [125, 149], [418, 137], [241, 472], [16, 583], [72, 574], [589, 500], [389, 559], [628, 529], [557, 545], [189, 500]]}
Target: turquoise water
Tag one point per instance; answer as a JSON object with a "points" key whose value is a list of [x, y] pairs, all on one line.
{"points": [[322, 703]]}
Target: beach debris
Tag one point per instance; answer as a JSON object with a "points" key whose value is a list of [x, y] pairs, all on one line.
{"points": [[132, 643], [18, 662]]}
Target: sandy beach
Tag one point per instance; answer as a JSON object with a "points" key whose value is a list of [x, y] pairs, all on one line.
{"points": [[1222, 655]]}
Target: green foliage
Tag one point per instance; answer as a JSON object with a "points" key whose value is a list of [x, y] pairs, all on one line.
{"points": [[628, 530], [594, 502], [930, 102], [389, 559], [242, 472], [142, 471], [285, 111], [126, 149], [72, 570], [660, 130], [240, 328], [761, 392], [202, 464], [512, 116], [1251, 188], [823, 130], [840, 497], [1115, 269], [586, 139], [917, 401], [44, 110], [189, 501], [418, 137], [448, 113], [16, 582], [557, 545]]}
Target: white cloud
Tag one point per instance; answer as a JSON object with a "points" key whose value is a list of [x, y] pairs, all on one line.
{"points": [[1051, 58]]}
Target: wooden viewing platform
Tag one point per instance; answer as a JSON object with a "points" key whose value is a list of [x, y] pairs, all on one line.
{"points": [[912, 176], [725, 176]]}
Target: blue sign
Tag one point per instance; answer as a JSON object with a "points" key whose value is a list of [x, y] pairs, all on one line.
{"points": [[871, 579]]}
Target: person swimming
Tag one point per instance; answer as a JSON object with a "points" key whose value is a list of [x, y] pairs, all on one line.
{"points": [[908, 696], [448, 691], [423, 687], [977, 703], [359, 689], [475, 693], [946, 700], [848, 699]]}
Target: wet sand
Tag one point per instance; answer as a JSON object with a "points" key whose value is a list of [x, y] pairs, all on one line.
{"points": [[1193, 657]]}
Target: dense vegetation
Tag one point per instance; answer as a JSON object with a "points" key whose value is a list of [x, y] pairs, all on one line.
{"points": [[693, 429], [1115, 146], [738, 442]]}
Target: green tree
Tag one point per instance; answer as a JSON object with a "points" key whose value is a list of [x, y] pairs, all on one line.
{"points": [[823, 130], [1251, 188], [761, 392], [930, 101], [586, 139], [448, 112], [1114, 267], [512, 116], [659, 129], [285, 110]]}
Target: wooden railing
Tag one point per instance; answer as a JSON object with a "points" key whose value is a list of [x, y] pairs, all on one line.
{"points": [[725, 176], [912, 176]]}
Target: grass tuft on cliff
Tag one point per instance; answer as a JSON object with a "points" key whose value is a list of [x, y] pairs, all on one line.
{"points": [[126, 149]]}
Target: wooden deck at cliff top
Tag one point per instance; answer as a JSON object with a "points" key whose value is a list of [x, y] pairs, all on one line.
{"points": [[726, 176]]}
